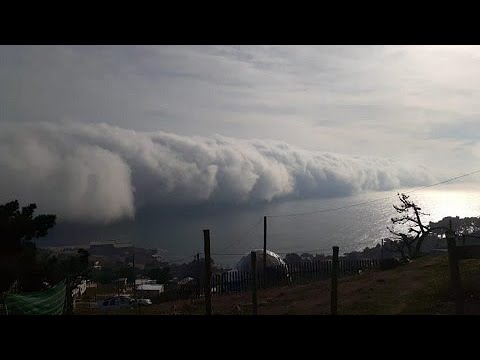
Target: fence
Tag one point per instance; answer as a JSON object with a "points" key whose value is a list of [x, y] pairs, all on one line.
{"points": [[231, 282], [48, 302]]}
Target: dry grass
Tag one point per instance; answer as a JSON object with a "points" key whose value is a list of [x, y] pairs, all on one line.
{"points": [[421, 287]]}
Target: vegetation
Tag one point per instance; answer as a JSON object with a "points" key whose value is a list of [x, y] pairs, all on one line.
{"points": [[408, 240], [18, 227], [420, 287], [293, 258], [74, 267], [25, 266], [104, 276], [161, 275]]}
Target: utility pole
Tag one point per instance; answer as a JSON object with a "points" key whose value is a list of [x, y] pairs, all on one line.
{"points": [[264, 251], [199, 275], [253, 259], [381, 263], [455, 278], [208, 273], [133, 271], [334, 291], [68, 294]]}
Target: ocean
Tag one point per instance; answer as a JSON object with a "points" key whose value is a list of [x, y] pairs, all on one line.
{"points": [[351, 229], [234, 231]]}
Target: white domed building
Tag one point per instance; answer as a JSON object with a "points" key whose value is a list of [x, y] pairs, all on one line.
{"points": [[273, 260]]}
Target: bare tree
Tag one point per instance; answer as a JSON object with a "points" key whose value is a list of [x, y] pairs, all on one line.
{"points": [[409, 239]]}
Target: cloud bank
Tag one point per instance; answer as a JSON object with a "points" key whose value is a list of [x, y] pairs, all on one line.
{"points": [[101, 173]]}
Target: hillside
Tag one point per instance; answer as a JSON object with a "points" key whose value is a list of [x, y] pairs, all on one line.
{"points": [[421, 287]]}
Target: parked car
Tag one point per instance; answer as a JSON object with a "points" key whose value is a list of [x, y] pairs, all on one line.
{"points": [[116, 302], [144, 302]]}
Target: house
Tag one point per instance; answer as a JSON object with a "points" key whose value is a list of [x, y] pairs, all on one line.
{"points": [[150, 290], [187, 280], [145, 282], [110, 249]]}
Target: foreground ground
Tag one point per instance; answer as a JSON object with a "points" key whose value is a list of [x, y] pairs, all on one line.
{"points": [[421, 287]]}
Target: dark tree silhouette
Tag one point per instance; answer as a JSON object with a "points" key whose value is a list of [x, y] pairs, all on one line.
{"points": [[17, 229], [408, 240], [161, 275], [292, 258]]}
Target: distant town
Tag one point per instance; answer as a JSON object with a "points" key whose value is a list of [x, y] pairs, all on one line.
{"points": [[121, 275]]}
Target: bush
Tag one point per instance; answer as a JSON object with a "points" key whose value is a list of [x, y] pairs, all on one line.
{"points": [[390, 263]]}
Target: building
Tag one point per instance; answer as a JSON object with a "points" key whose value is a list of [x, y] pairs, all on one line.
{"points": [[273, 260], [187, 280], [150, 291], [139, 282], [112, 251]]}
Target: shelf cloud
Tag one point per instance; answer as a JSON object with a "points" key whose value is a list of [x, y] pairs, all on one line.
{"points": [[99, 173]]}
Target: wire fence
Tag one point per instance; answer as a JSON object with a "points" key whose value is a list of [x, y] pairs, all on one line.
{"points": [[319, 267], [231, 282]]}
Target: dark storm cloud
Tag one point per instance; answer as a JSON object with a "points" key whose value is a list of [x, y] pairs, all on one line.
{"points": [[103, 173]]}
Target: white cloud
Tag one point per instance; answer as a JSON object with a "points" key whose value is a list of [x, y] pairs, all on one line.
{"points": [[102, 173], [412, 104]]}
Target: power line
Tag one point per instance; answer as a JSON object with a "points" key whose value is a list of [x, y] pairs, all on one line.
{"points": [[443, 182], [241, 237], [249, 231], [343, 248], [328, 210], [301, 251], [228, 254], [371, 201], [346, 248], [182, 259]]}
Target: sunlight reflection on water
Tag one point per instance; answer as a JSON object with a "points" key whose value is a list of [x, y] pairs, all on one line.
{"points": [[351, 229]]}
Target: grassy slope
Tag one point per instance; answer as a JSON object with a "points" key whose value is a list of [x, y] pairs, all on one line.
{"points": [[421, 287]]}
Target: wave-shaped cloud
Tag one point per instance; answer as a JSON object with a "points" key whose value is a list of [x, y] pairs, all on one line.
{"points": [[102, 173]]}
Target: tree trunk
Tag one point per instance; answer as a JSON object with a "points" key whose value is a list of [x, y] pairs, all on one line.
{"points": [[418, 245]]}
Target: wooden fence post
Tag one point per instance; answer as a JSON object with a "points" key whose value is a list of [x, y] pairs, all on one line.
{"points": [[381, 261], [68, 294], [253, 256], [455, 273], [264, 251], [334, 281], [208, 273]]}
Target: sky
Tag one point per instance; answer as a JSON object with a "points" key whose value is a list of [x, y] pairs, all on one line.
{"points": [[95, 133]]}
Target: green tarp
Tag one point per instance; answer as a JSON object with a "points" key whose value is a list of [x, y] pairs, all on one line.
{"points": [[49, 302]]}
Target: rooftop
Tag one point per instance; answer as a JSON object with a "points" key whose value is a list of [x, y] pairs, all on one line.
{"points": [[110, 243], [157, 287]]}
